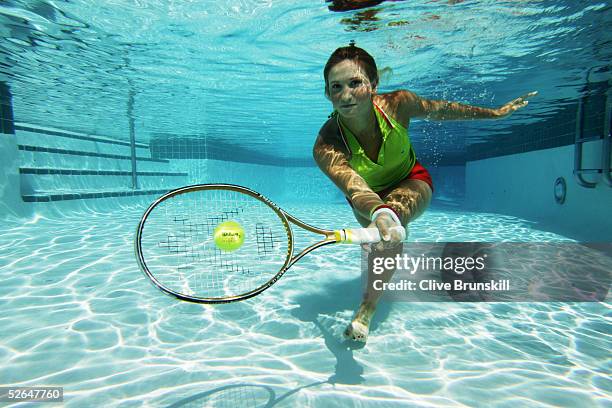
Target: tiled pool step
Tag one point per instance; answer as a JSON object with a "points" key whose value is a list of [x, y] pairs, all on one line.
{"points": [[41, 196], [78, 172], [60, 165], [84, 153], [73, 135]]}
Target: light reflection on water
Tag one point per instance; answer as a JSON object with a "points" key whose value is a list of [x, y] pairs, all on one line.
{"points": [[76, 312]]}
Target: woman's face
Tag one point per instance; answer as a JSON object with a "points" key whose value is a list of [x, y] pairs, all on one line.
{"points": [[350, 90]]}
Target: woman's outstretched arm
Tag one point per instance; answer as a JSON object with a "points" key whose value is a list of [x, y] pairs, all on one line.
{"points": [[332, 160], [414, 106]]}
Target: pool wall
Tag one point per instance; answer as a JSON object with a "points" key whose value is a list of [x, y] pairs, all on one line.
{"points": [[524, 185], [518, 184]]}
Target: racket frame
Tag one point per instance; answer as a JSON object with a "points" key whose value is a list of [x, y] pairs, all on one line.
{"points": [[331, 237]]}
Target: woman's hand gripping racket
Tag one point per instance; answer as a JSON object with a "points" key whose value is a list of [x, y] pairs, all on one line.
{"points": [[219, 243]]}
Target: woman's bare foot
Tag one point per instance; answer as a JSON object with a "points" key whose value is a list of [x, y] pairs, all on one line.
{"points": [[359, 328]]}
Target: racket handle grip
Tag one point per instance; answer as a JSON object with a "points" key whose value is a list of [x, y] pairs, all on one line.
{"points": [[364, 235]]}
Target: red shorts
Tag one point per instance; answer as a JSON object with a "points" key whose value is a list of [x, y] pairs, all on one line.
{"points": [[418, 172]]}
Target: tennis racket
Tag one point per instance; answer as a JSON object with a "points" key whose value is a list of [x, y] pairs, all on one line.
{"points": [[219, 243]]}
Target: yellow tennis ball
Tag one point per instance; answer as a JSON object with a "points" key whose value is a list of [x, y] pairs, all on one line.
{"points": [[229, 236]]}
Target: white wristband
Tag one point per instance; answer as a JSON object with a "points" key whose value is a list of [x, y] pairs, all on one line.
{"points": [[385, 210]]}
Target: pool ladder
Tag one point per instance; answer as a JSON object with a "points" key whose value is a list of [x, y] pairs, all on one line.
{"points": [[606, 137]]}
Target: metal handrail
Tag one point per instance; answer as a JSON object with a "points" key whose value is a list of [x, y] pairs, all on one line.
{"points": [[578, 142]]}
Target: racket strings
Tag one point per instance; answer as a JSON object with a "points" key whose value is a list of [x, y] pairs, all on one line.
{"points": [[267, 240], [185, 258]]}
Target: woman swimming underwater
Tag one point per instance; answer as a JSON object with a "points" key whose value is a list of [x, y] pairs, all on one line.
{"points": [[364, 148]]}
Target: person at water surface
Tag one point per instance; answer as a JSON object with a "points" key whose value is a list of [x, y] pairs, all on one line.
{"points": [[365, 149]]}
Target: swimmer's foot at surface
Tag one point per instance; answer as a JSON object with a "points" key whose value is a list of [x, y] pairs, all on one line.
{"points": [[359, 328]]}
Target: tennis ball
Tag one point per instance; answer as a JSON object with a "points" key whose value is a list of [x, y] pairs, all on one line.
{"points": [[229, 236]]}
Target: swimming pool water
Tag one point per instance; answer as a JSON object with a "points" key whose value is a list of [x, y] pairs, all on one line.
{"points": [[232, 91], [76, 312]]}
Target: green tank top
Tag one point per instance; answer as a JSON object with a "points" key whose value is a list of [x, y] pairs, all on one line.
{"points": [[396, 157]]}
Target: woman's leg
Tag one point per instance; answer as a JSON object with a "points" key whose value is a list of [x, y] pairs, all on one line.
{"points": [[410, 199]]}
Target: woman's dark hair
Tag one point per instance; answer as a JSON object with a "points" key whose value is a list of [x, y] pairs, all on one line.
{"points": [[356, 54]]}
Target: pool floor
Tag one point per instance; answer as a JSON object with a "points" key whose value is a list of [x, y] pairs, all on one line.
{"points": [[76, 312]]}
